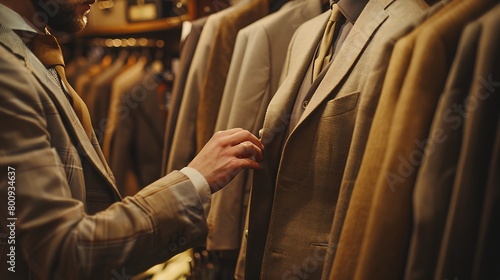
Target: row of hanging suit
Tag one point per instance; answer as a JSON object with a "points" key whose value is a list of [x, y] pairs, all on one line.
{"points": [[384, 166], [126, 92]]}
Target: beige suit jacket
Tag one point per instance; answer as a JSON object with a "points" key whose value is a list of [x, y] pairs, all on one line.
{"points": [[253, 78], [71, 222], [219, 59], [413, 101], [294, 195]]}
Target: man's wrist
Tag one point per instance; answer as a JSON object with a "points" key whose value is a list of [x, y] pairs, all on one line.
{"points": [[201, 185]]}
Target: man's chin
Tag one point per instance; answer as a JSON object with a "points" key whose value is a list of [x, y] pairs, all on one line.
{"points": [[72, 27]]}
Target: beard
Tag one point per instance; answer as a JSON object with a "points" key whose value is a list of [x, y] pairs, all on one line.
{"points": [[61, 15]]}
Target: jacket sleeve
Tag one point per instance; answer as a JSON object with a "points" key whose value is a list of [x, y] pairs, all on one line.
{"points": [[53, 234]]}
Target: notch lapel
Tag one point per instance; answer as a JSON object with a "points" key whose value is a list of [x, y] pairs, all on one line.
{"points": [[279, 110], [372, 16]]}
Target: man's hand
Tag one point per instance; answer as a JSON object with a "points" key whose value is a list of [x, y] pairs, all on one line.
{"points": [[226, 154]]}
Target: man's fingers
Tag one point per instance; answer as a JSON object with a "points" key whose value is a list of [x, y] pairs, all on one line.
{"points": [[248, 149], [242, 136], [229, 132], [248, 163]]}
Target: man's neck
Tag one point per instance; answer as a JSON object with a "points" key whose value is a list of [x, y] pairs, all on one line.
{"points": [[25, 9]]}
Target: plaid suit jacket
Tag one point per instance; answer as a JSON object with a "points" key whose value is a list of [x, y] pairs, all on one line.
{"points": [[71, 221]]}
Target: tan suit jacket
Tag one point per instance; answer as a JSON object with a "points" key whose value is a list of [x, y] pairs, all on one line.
{"points": [[71, 222], [387, 236], [481, 120], [253, 78], [294, 195], [219, 59]]}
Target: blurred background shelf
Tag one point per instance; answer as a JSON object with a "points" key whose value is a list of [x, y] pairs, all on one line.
{"points": [[136, 27]]}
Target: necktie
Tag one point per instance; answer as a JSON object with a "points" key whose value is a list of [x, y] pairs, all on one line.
{"points": [[325, 48], [47, 50]]}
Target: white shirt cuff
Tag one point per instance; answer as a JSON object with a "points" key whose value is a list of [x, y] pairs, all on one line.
{"points": [[201, 185]]}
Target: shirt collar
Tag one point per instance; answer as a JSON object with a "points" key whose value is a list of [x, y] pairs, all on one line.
{"points": [[14, 21], [351, 9]]}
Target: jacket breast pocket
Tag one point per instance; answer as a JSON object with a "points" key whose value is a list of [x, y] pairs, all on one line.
{"points": [[339, 106], [332, 143]]}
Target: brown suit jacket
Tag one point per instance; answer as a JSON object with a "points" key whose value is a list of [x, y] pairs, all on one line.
{"points": [[388, 228], [294, 195], [487, 255], [71, 222], [482, 115], [436, 176], [218, 64]]}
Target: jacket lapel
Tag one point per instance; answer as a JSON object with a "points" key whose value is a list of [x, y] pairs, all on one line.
{"points": [[279, 110], [16, 45], [372, 16]]}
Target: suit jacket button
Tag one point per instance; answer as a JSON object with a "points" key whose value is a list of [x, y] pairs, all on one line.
{"points": [[304, 105], [182, 241], [172, 247]]}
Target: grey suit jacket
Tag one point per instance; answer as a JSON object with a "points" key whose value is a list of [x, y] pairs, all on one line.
{"points": [[294, 195], [253, 78], [71, 222]]}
